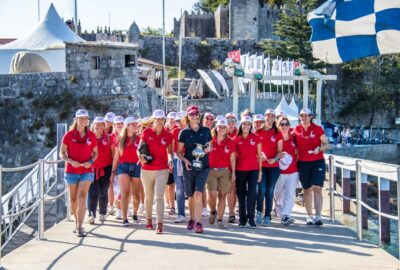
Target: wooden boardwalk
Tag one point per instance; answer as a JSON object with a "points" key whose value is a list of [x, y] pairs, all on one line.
{"points": [[110, 246]]}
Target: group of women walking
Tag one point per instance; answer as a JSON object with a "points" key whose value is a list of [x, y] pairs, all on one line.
{"points": [[256, 160]]}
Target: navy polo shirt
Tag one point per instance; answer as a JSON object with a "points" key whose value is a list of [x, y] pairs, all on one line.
{"points": [[190, 137]]}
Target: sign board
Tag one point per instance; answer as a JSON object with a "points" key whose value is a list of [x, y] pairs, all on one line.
{"points": [[397, 121]]}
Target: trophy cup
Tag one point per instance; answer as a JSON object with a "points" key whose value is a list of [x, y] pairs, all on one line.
{"points": [[198, 152]]}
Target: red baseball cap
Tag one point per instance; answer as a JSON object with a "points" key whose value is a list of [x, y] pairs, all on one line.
{"points": [[192, 110]]}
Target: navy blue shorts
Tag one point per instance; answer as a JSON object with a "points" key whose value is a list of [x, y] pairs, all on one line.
{"points": [[131, 169], [311, 173], [171, 179], [194, 181]]}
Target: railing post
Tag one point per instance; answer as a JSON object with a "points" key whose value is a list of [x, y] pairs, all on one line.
{"points": [[364, 198], [41, 200], [346, 190], [384, 203], [68, 202], [358, 196], [331, 188]]}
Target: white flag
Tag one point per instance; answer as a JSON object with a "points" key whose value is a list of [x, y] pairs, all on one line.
{"points": [[260, 64], [267, 68], [276, 70]]}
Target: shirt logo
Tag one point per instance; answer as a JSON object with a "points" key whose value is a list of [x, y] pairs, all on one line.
{"points": [[273, 139], [312, 135], [88, 142], [163, 142], [104, 142], [74, 140], [252, 142], [150, 138], [293, 144], [226, 149], [240, 142]]}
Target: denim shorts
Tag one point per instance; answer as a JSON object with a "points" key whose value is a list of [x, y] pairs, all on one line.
{"points": [[75, 178], [131, 169]]}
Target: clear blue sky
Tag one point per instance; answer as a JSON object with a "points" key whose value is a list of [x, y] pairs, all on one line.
{"points": [[19, 17]]}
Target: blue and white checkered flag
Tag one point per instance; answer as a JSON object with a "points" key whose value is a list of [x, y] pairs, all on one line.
{"points": [[343, 30]]}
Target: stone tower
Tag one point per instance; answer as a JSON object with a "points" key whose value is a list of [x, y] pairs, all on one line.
{"points": [[133, 34], [243, 19]]}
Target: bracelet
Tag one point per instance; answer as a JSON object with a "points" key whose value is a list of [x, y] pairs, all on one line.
{"points": [[91, 161], [114, 172]]}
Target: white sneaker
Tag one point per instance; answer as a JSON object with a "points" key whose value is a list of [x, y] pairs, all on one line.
{"points": [[130, 213], [119, 214], [111, 211], [141, 209], [204, 213], [91, 220], [102, 218], [180, 219]]}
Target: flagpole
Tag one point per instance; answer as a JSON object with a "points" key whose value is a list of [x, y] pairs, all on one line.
{"points": [[179, 107], [76, 16], [38, 10]]}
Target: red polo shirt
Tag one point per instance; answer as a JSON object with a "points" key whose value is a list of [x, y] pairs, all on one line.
{"points": [[233, 134], [220, 157], [129, 154], [175, 136], [289, 147], [269, 140], [104, 158], [79, 149], [308, 140], [157, 145], [246, 149]]}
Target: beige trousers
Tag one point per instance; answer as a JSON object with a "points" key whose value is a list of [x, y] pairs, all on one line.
{"points": [[154, 183]]}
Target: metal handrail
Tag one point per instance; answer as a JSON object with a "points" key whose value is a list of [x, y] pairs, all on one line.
{"points": [[362, 167], [22, 211], [54, 198]]}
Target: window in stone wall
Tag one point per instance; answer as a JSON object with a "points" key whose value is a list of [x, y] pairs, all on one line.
{"points": [[95, 62], [130, 60]]}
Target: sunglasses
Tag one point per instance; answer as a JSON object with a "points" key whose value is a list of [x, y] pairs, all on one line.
{"points": [[304, 115], [231, 120], [193, 114], [284, 124], [209, 118]]}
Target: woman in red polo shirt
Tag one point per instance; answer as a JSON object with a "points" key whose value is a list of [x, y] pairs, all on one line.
{"points": [[311, 142], [269, 136], [222, 162], [178, 169], [248, 171], [231, 196], [98, 192], [125, 166], [285, 189], [79, 151], [155, 175], [118, 124]]}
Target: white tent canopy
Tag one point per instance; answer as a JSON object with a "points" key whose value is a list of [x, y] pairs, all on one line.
{"points": [[289, 112], [47, 40]]}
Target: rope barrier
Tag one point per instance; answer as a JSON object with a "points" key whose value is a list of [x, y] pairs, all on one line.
{"points": [[22, 168], [21, 212]]}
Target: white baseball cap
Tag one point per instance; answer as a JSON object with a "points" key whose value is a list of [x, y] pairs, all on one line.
{"points": [[129, 120], [98, 119], [258, 117], [219, 117], [180, 115], [118, 119], [157, 114], [280, 113], [172, 115], [230, 114], [139, 120], [82, 113], [271, 111], [246, 118], [305, 111], [222, 122], [285, 162], [110, 117], [209, 114]]}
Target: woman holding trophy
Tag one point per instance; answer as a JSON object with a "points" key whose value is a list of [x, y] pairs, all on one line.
{"points": [[193, 148]]}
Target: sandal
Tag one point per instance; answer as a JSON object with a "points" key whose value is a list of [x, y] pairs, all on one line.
{"points": [[80, 232], [231, 219], [171, 212]]}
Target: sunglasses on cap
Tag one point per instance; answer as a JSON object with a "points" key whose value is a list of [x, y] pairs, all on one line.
{"points": [[284, 124]]}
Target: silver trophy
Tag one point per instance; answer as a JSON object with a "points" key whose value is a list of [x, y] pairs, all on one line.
{"points": [[198, 152]]}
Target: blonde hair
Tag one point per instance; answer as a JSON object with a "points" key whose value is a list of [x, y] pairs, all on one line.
{"points": [[122, 137], [92, 126], [214, 132], [280, 119], [74, 124]]}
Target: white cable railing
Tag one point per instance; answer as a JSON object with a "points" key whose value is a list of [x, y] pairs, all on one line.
{"points": [[28, 195], [363, 168]]}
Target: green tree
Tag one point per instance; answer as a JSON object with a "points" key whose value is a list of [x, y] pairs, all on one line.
{"points": [[293, 32], [209, 5], [372, 85]]}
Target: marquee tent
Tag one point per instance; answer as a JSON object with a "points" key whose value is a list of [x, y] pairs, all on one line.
{"points": [[46, 40]]}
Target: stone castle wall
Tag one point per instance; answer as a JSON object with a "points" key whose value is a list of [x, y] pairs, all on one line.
{"points": [[243, 19]]}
